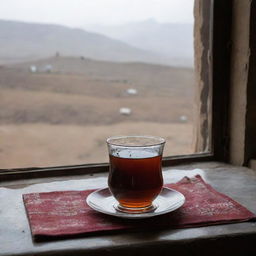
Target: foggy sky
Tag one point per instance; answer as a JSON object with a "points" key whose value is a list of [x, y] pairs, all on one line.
{"points": [[76, 13]]}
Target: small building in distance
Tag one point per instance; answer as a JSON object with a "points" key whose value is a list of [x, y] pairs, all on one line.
{"points": [[132, 91], [125, 111], [33, 68]]}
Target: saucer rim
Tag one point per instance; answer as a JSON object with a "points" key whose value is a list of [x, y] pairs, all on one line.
{"points": [[171, 208]]}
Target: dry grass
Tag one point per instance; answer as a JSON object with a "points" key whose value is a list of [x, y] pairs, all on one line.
{"points": [[64, 117], [53, 145]]}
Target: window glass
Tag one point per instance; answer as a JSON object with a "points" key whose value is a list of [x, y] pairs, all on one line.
{"points": [[73, 73]]}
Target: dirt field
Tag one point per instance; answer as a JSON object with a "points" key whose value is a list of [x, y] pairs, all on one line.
{"points": [[53, 145], [64, 117]]}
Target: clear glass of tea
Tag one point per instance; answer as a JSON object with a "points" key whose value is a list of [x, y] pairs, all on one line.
{"points": [[135, 174]]}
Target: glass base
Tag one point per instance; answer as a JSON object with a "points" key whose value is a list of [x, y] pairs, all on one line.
{"points": [[135, 210]]}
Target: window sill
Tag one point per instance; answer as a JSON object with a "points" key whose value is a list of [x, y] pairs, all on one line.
{"points": [[235, 239]]}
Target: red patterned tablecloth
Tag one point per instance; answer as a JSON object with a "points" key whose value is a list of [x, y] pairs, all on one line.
{"points": [[65, 213]]}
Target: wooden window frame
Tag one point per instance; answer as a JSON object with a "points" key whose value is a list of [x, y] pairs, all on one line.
{"points": [[216, 79]]}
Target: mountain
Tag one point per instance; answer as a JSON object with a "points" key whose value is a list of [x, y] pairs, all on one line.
{"points": [[174, 41], [21, 41]]}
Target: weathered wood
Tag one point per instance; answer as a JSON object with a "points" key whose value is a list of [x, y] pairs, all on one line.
{"points": [[221, 52], [30, 173], [250, 137], [243, 80], [202, 110], [239, 76], [212, 68]]}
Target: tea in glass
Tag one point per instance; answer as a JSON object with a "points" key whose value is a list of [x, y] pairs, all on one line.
{"points": [[135, 175]]}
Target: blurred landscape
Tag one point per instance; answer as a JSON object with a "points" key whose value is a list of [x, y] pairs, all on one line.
{"points": [[148, 42], [65, 90], [173, 41]]}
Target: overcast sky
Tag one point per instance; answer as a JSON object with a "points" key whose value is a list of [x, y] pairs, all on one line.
{"points": [[77, 13]]}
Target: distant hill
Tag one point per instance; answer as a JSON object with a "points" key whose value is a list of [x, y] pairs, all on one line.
{"points": [[174, 41], [28, 41], [150, 76]]}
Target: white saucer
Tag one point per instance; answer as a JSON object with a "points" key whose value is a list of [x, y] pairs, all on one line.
{"points": [[167, 201]]}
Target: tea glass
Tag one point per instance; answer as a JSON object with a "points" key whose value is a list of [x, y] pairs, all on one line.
{"points": [[135, 174]]}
